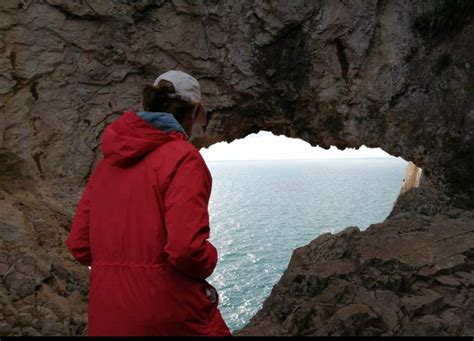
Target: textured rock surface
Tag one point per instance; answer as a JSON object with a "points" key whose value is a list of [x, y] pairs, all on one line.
{"points": [[408, 276], [389, 74], [43, 290], [412, 177]]}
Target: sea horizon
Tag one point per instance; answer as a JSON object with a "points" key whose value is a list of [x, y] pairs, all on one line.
{"points": [[315, 159]]}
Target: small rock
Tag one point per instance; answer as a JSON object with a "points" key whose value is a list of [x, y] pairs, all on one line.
{"points": [[466, 277], [30, 331], [452, 264], [5, 328], [336, 267], [19, 284], [59, 305], [389, 306], [418, 285], [429, 303], [351, 319], [452, 319], [320, 240], [43, 314], [427, 271], [448, 281], [78, 319], [348, 231], [458, 301], [3, 268], [8, 310], [15, 332], [26, 304], [392, 283], [77, 303], [24, 319], [51, 328], [433, 322], [454, 213], [32, 266], [37, 323], [371, 331]]}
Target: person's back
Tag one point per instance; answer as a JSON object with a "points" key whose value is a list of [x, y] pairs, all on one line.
{"points": [[142, 225]]}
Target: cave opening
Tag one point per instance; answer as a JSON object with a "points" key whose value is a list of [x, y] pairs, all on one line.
{"points": [[273, 194]]}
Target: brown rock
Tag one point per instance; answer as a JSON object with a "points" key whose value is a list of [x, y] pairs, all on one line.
{"points": [[453, 321], [448, 281], [34, 267], [379, 279], [467, 278], [24, 319], [452, 264], [29, 331], [388, 305], [425, 325], [348, 231], [59, 305], [352, 319], [51, 328], [5, 328], [19, 284], [429, 303], [428, 272], [458, 301], [336, 291]]}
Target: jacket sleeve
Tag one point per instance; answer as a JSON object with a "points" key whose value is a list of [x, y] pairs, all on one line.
{"points": [[187, 219], [78, 239]]}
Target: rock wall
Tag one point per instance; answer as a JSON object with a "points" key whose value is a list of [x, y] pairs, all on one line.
{"points": [[389, 74], [411, 275], [412, 177]]}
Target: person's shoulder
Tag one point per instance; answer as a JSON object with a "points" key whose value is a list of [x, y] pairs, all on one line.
{"points": [[177, 152], [188, 152], [181, 148]]}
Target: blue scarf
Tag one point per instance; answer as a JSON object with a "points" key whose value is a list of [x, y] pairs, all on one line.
{"points": [[164, 121]]}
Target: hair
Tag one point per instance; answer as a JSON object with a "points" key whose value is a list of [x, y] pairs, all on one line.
{"points": [[155, 98]]}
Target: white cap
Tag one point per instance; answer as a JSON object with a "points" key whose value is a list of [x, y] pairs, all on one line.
{"points": [[186, 86]]}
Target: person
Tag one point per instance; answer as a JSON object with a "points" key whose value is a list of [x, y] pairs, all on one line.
{"points": [[142, 222]]}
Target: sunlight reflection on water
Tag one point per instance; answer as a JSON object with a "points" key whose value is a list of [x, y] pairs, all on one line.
{"points": [[262, 210]]}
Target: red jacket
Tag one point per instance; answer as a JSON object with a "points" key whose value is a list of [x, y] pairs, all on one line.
{"points": [[142, 225]]}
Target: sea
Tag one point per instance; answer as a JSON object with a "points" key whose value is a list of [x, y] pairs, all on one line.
{"points": [[261, 210]]}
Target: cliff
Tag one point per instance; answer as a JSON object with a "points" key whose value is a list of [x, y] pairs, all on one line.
{"points": [[407, 276], [389, 74]]}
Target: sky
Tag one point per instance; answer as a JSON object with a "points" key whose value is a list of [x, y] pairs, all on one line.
{"points": [[264, 145]]}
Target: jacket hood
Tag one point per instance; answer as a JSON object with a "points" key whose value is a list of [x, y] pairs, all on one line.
{"points": [[129, 138]]}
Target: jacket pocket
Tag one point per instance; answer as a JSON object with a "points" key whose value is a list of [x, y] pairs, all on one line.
{"points": [[211, 293], [188, 296]]}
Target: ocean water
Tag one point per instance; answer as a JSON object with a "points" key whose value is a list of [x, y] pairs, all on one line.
{"points": [[260, 211]]}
